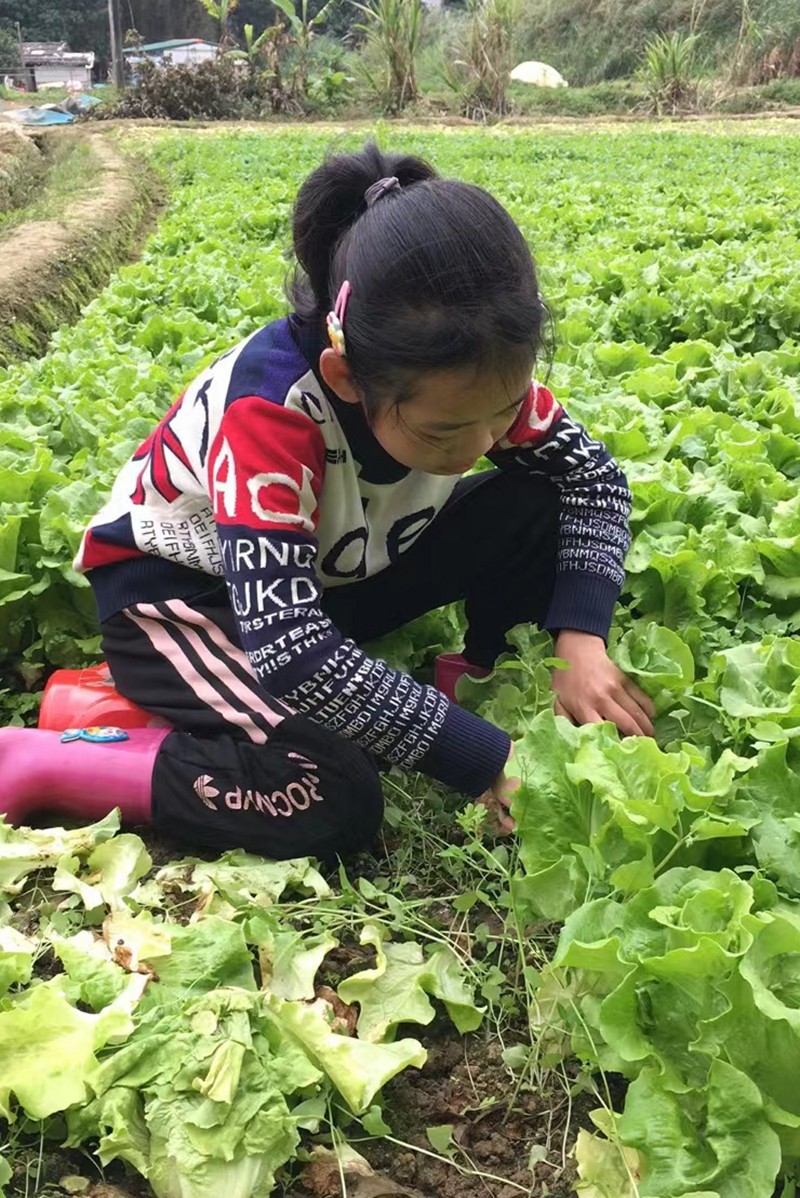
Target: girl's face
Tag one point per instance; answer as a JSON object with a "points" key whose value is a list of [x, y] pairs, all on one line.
{"points": [[451, 418]]}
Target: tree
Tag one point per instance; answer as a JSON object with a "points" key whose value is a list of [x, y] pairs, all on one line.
{"points": [[160, 20], [303, 26], [9, 52], [221, 10], [338, 21], [254, 48], [83, 24]]}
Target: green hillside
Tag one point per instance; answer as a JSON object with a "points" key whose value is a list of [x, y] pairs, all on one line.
{"points": [[593, 40]]}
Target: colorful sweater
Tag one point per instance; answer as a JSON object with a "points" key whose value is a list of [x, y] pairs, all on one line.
{"points": [[260, 474]]}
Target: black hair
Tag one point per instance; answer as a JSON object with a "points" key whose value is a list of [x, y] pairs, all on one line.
{"points": [[440, 274]]}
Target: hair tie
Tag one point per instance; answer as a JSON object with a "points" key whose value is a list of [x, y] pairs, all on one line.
{"points": [[378, 190], [335, 319]]}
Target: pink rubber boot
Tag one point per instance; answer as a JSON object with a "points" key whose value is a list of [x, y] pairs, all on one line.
{"points": [[449, 668], [41, 772]]}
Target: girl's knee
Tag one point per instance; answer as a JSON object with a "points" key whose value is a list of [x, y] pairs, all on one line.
{"points": [[363, 816], [348, 787], [304, 793]]}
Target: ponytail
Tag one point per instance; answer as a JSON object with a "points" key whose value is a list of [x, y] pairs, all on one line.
{"points": [[330, 201], [440, 275]]}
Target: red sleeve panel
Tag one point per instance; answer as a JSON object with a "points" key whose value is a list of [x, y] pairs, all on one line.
{"points": [[266, 468], [265, 473]]}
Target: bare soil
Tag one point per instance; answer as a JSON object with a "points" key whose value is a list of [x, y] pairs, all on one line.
{"points": [[464, 1084], [780, 121]]}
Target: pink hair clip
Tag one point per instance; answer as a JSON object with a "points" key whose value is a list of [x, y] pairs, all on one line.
{"points": [[335, 319]]}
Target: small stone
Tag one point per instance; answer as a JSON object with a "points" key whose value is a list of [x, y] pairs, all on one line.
{"points": [[405, 1167]]}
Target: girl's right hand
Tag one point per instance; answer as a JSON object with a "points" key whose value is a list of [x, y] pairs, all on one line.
{"points": [[497, 800]]}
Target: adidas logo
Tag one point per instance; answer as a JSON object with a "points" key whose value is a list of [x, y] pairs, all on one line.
{"points": [[205, 790], [298, 796]]}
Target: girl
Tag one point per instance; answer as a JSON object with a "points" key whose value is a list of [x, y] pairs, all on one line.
{"points": [[304, 496]]}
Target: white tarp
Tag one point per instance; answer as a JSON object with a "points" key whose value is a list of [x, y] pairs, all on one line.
{"points": [[539, 74]]}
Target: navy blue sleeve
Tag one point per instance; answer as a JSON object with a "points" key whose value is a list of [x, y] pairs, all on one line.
{"points": [[265, 478], [595, 506]]}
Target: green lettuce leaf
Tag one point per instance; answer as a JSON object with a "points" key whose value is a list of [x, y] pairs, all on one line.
{"points": [[23, 850], [289, 960], [199, 1099], [657, 657], [233, 884], [606, 1170], [396, 990], [769, 795], [6, 1173], [716, 1142], [357, 1068], [48, 1048], [16, 958]]}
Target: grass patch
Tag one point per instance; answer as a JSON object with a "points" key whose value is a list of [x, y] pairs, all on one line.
{"points": [[615, 98], [22, 168], [51, 95], [780, 93], [85, 223], [72, 170]]}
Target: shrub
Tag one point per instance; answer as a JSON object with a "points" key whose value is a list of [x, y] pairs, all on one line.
{"points": [[393, 29], [668, 72], [481, 73], [778, 94], [213, 90]]}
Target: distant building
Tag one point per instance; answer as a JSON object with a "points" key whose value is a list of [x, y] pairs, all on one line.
{"points": [[176, 52], [53, 64]]}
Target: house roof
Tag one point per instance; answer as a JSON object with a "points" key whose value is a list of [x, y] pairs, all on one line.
{"points": [[46, 54], [174, 44], [39, 48]]}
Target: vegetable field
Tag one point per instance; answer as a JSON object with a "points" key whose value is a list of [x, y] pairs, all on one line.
{"points": [[624, 970]]}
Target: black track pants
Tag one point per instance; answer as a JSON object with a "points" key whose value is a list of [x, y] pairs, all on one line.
{"points": [[241, 769]]}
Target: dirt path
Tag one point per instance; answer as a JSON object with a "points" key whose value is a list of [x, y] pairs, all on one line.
{"points": [[30, 250], [50, 268], [780, 121]]}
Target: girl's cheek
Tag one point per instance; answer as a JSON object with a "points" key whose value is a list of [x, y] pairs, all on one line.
{"points": [[401, 448]]}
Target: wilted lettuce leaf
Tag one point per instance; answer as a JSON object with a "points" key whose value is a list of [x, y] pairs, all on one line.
{"points": [[396, 990]]}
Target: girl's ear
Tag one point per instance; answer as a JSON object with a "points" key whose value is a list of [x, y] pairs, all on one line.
{"points": [[337, 375]]}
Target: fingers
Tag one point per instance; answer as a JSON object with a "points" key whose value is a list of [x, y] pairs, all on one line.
{"points": [[601, 691], [501, 822], [501, 801], [504, 823], [506, 791], [641, 723], [645, 702], [619, 708], [625, 720], [495, 806]]}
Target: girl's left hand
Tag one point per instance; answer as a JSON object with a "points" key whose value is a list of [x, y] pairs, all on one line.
{"points": [[593, 689]]}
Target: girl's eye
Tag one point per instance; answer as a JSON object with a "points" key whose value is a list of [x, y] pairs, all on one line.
{"points": [[435, 438]]}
